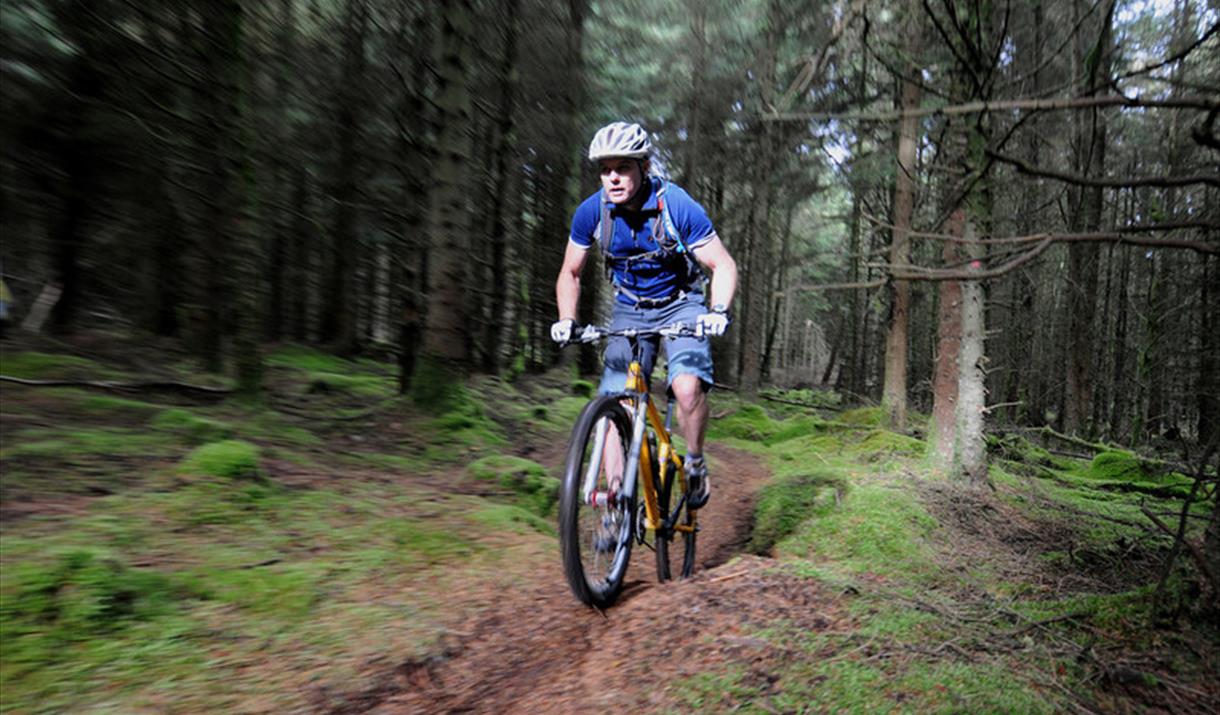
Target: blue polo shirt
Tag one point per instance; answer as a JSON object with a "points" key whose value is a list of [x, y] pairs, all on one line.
{"points": [[633, 236]]}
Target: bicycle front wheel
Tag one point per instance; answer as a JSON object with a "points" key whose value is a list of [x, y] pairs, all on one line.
{"points": [[596, 522]]}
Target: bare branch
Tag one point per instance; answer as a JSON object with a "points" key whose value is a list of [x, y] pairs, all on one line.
{"points": [[1172, 58], [1162, 181], [1111, 100], [814, 67]]}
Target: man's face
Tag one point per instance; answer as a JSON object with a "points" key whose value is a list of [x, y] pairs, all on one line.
{"points": [[621, 178]]}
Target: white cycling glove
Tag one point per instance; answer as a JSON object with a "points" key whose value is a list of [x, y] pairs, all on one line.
{"points": [[561, 330], [715, 323]]}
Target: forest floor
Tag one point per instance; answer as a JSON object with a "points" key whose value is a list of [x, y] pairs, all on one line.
{"points": [[336, 550]]}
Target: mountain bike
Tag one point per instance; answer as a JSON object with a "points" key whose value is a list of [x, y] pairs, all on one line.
{"points": [[623, 483]]}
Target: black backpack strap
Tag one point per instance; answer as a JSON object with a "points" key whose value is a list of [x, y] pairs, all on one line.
{"points": [[605, 234]]}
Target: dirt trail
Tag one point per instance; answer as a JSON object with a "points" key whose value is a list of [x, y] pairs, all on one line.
{"points": [[541, 651]]}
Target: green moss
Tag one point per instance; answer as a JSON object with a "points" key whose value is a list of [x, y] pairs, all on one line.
{"points": [[191, 427], [878, 528], [359, 385], [49, 604], [64, 444], [749, 423], [300, 357], [507, 517], [885, 443], [46, 366], [786, 502], [211, 503], [864, 416], [104, 405], [793, 428], [1116, 465], [230, 458], [529, 481], [436, 386], [583, 388], [564, 412], [465, 425]]}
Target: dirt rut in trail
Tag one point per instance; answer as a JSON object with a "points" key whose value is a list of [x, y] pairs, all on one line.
{"points": [[541, 651]]}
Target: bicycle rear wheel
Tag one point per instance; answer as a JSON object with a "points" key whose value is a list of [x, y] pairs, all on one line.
{"points": [[667, 558], [596, 523]]}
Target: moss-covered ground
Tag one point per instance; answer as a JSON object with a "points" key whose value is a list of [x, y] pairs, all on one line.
{"points": [[1035, 597], [161, 552]]}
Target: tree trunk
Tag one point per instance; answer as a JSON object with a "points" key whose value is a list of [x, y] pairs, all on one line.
{"points": [[971, 394], [341, 301], [231, 250], [501, 178], [300, 271], [1083, 257], [1209, 356], [445, 358], [894, 392], [942, 437]]}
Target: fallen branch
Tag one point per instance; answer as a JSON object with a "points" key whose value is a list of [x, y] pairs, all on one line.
{"points": [[726, 577], [1195, 551], [1045, 622], [122, 386], [800, 404]]}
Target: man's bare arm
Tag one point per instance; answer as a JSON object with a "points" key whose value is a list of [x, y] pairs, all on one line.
{"points": [[567, 286], [715, 257]]}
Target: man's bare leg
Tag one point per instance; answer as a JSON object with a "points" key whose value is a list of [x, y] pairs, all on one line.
{"points": [[692, 411]]}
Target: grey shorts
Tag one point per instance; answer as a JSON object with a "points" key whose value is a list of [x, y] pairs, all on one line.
{"points": [[685, 356]]}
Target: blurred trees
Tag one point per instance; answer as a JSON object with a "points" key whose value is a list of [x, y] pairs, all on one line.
{"points": [[398, 177]]}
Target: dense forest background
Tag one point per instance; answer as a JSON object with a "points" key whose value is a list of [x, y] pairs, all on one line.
{"points": [[397, 177]]}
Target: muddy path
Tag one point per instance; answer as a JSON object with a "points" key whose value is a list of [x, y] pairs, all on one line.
{"points": [[539, 650]]}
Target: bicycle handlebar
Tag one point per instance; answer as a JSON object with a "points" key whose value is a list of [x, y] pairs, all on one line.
{"points": [[593, 333]]}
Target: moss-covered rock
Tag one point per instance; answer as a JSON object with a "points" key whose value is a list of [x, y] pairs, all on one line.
{"points": [[786, 502], [231, 458], [1117, 465], [884, 443], [583, 388], [193, 428], [527, 480], [80, 594], [793, 428], [864, 416]]}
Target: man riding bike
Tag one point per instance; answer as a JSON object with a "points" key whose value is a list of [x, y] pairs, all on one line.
{"points": [[654, 238]]}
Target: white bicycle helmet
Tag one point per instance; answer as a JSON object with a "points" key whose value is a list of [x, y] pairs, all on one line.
{"points": [[620, 140]]}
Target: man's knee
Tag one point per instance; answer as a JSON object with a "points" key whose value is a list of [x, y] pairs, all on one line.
{"points": [[688, 390]]}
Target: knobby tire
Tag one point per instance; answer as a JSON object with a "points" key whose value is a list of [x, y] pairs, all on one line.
{"points": [[664, 537], [595, 577]]}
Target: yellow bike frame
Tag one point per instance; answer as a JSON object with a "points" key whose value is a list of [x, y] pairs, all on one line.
{"points": [[665, 455]]}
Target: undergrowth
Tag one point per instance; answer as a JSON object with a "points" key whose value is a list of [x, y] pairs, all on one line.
{"points": [[939, 625]]}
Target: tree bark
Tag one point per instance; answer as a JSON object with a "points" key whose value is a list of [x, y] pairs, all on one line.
{"points": [[1083, 257], [341, 301], [942, 436], [501, 178], [445, 358], [897, 341], [971, 394]]}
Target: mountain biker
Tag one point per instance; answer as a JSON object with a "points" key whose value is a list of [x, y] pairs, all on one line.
{"points": [[648, 231]]}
